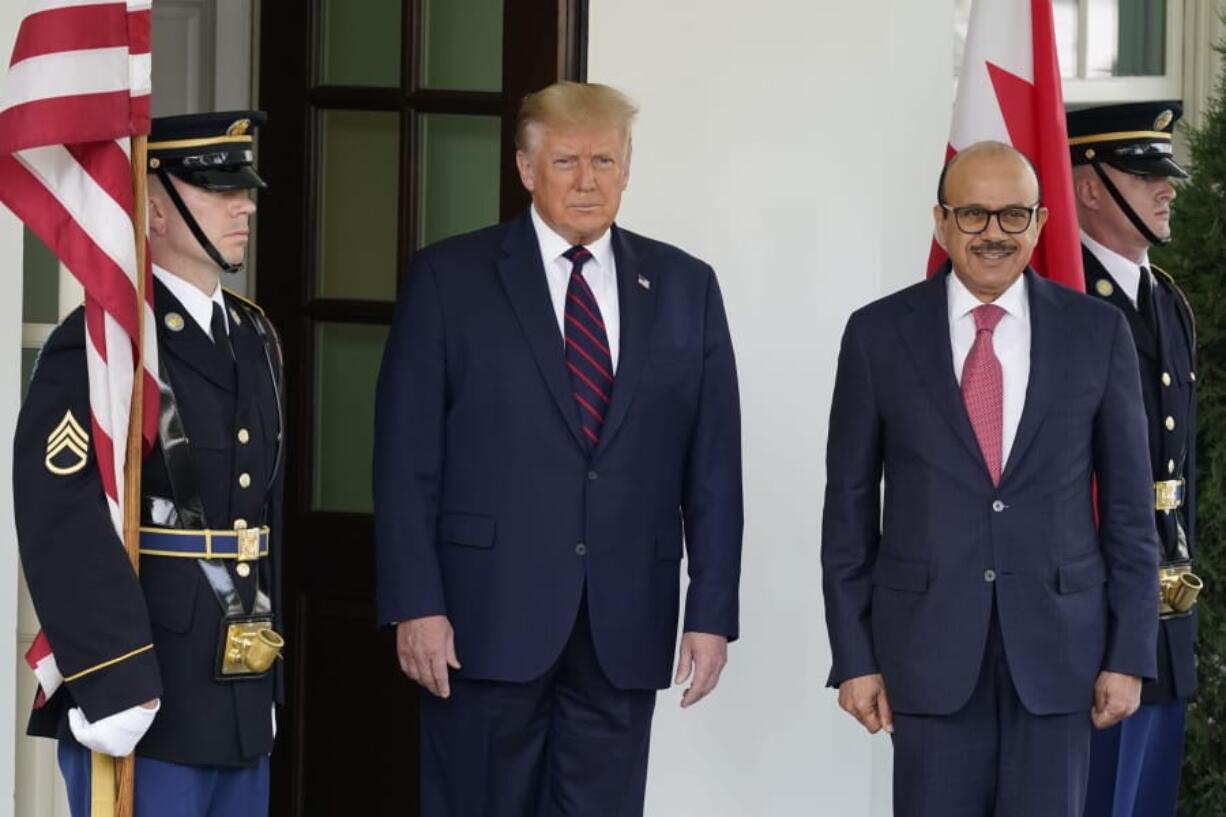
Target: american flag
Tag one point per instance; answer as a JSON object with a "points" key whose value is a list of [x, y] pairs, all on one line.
{"points": [[77, 89]]}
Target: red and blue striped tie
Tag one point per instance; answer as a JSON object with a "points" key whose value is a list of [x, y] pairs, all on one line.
{"points": [[587, 349]]}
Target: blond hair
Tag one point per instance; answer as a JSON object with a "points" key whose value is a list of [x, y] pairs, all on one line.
{"points": [[573, 105]]}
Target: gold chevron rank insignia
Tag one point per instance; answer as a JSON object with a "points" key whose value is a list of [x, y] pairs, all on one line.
{"points": [[67, 447]]}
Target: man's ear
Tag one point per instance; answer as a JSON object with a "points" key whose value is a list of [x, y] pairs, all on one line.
{"points": [[157, 211], [938, 216]]}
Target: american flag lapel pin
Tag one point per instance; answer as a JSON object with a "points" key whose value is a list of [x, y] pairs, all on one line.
{"points": [[645, 282]]}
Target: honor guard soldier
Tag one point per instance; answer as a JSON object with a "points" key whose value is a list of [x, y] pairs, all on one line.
{"points": [[1123, 169], [180, 664]]}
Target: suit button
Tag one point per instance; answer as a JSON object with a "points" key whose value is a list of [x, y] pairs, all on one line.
{"points": [[244, 480], [244, 436], [581, 549], [1166, 378], [1170, 424], [593, 476], [1170, 466], [998, 506], [243, 570], [989, 576]]}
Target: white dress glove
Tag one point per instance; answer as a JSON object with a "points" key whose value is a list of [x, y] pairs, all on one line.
{"points": [[115, 735]]}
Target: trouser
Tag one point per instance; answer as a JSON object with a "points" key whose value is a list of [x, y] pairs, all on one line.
{"points": [[568, 743], [1134, 765], [172, 790], [992, 758]]}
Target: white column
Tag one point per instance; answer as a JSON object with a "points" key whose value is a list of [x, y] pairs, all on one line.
{"points": [[10, 402], [795, 145]]}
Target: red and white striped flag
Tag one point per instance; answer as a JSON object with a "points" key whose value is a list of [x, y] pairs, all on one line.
{"points": [[1009, 91], [77, 89]]}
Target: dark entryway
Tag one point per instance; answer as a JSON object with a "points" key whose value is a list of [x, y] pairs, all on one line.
{"points": [[390, 126]]}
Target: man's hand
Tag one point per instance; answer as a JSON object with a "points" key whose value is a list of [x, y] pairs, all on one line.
{"points": [[704, 656], [426, 647], [115, 735], [865, 699], [1116, 696]]}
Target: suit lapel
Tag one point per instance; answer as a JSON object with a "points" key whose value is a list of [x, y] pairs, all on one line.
{"points": [[1098, 282], [637, 309], [925, 333], [1045, 366], [183, 338], [523, 278]]}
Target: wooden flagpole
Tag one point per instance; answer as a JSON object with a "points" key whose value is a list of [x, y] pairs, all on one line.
{"points": [[125, 767]]}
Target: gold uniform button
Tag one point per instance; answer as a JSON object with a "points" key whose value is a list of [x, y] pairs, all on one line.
{"points": [[240, 524], [1166, 378], [244, 480], [1170, 466], [244, 436], [243, 570], [1170, 425]]}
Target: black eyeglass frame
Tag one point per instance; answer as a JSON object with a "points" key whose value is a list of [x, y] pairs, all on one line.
{"points": [[958, 211]]}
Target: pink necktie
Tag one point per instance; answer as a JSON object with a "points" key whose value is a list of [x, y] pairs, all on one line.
{"points": [[983, 389]]}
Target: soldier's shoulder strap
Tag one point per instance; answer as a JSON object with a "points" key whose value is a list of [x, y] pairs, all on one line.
{"points": [[1185, 306], [244, 299]]}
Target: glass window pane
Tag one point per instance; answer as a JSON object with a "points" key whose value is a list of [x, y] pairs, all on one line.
{"points": [[461, 44], [40, 289], [359, 195], [1127, 38], [458, 174], [1064, 19], [361, 42], [28, 358], [347, 363]]}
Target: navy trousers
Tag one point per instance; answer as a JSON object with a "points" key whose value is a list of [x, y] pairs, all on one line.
{"points": [[1134, 766], [992, 758], [567, 744], [172, 790]]}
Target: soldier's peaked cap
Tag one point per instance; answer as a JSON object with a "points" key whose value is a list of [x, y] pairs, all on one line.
{"points": [[210, 150]]}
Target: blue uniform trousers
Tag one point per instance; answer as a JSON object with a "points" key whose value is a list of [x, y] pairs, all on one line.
{"points": [[1134, 765], [171, 790], [992, 758], [568, 744]]}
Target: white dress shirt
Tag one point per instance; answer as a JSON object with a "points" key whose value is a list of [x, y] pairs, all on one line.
{"points": [[1125, 272], [197, 304], [599, 271], [1010, 341]]}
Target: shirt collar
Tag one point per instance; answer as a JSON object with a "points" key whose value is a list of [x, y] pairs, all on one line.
{"points": [[197, 304], [1125, 272], [961, 302], [553, 245]]}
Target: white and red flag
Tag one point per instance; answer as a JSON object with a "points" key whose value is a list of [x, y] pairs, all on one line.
{"points": [[77, 89], [1009, 91]]}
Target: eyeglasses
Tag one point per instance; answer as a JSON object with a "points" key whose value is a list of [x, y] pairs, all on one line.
{"points": [[973, 220]]}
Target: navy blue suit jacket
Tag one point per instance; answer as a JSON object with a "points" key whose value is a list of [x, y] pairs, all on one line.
{"points": [[484, 489], [907, 586]]}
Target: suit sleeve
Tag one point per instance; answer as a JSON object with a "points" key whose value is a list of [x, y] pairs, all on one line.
{"points": [[88, 599], [1126, 509], [410, 401], [712, 499], [851, 517]]}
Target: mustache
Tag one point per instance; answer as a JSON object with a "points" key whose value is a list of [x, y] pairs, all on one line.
{"points": [[994, 246]]}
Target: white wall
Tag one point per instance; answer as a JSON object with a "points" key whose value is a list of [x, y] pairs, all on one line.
{"points": [[10, 402], [795, 145]]}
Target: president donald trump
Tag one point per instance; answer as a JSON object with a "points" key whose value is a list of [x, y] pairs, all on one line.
{"points": [[980, 616], [557, 405]]}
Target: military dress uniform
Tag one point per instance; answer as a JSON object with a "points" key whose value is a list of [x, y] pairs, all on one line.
{"points": [[1135, 765], [210, 549]]}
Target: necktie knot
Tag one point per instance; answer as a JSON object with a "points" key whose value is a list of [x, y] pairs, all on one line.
{"points": [[577, 255], [986, 317]]}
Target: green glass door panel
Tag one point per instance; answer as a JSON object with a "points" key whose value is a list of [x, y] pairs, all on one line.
{"points": [[40, 287], [458, 174], [359, 195], [461, 44], [347, 363], [361, 42]]}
